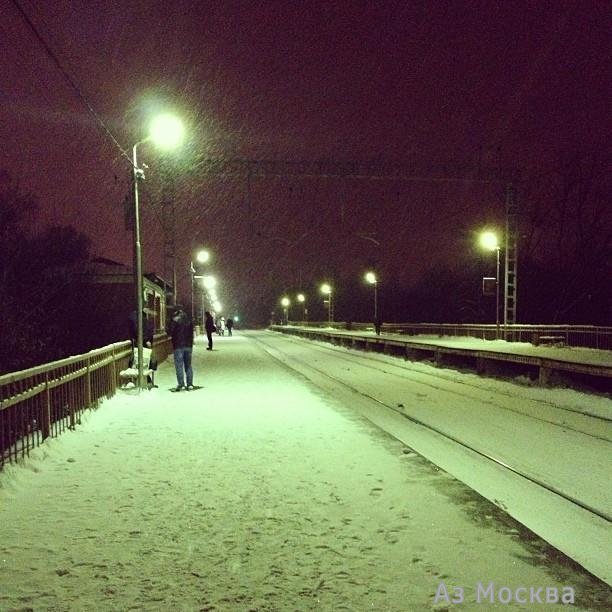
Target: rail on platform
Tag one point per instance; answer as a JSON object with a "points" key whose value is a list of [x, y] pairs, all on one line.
{"points": [[45, 400], [491, 362], [588, 336]]}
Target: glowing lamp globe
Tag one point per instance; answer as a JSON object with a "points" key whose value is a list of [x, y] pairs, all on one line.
{"points": [[488, 240], [202, 256], [166, 131], [370, 277], [285, 302]]}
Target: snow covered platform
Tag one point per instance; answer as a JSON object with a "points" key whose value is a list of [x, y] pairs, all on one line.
{"points": [[266, 491], [547, 364]]}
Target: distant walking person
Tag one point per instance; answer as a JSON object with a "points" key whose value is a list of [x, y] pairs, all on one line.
{"points": [[209, 326], [180, 329], [229, 324]]}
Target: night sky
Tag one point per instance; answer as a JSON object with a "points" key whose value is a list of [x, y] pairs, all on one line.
{"points": [[515, 84]]}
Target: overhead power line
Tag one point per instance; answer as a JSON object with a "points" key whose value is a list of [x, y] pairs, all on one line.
{"points": [[70, 80]]}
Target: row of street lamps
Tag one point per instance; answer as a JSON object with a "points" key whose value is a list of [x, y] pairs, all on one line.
{"points": [[488, 240], [327, 290]]}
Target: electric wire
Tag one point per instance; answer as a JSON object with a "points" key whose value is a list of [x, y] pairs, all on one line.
{"points": [[71, 81]]}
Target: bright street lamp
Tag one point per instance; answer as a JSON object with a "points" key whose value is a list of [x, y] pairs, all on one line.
{"points": [[327, 290], [285, 302], [370, 277], [167, 132], [301, 298], [202, 256], [488, 240], [209, 282]]}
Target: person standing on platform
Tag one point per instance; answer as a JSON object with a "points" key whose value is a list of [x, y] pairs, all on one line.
{"points": [[209, 326], [229, 324], [180, 329]]}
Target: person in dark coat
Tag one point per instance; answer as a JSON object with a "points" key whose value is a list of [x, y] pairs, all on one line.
{"points": [[229, 324], [209, 326], [377, 325], [180, 329]]}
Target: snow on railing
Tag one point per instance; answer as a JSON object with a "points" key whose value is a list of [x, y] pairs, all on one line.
{"points": [[45, 400], [590, 336]]}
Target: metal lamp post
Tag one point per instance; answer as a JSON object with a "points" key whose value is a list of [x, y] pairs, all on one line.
{"points": [[301, 298], [371, 278], [327, 290], [489, 241], [167, 132], [285, 304], [201, 257]]}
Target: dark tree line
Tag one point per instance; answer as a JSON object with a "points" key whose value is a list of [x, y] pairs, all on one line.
{"points": [[37, 272]]}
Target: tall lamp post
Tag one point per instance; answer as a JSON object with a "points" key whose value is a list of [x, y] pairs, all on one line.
{"points": [[285, 302], [327, 290], [370, 277], [301, 298], [201, 257], [166, 132], [209, 283], [488, 240]]}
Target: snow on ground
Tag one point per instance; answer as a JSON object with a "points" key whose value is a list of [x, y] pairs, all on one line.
{"points": [[570, 399], [563, 353], [257, 492]]}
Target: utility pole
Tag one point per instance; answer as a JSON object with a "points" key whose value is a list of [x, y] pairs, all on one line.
{"points": [[511, 260]]}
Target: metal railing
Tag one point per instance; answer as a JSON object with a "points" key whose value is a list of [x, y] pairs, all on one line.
{"points": [[590, 336], [44, 401]]}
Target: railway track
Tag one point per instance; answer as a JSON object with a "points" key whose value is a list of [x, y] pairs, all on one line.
{"points": [[401, 371], [295, 363]]}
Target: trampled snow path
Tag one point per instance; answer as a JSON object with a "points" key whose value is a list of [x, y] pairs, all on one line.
{"points": [[257, 492]]}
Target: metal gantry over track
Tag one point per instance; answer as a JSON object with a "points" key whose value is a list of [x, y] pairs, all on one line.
{"points": [[376, 170]]}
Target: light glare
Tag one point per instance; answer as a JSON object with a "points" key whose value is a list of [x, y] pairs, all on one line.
{"points": [[488, 240], [166, 131]]}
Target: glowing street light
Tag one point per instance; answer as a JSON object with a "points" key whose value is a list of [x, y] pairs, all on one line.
{"points": [[370, 278], [326, 289], [285, 302], [209, 282], [201, 257], [489, 241], [166, 131], [301, 298]]}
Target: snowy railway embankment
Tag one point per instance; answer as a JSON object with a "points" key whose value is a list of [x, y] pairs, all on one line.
{"points": [[570, 366]]}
